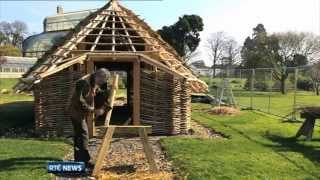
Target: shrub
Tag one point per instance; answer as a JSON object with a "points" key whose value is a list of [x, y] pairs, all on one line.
{"points": [[235, 81], [261, 85], [305, 84], [9, 50], [258, 85]]}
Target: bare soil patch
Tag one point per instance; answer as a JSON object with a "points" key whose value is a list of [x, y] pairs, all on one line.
{"points": [[201, 132], [224, 111]]}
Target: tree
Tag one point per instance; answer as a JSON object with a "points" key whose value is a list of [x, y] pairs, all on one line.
{"points": [[19, 31], [232, 52], [184, 35], [256, 50], [297, 48], [13, 33], [221, 47], [2, 38], [191, 56], [10, 50], [315, 76], [262, 51], [294, 49]]}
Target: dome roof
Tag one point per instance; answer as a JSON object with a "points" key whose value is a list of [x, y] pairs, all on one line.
{"points": [[41, 43]]}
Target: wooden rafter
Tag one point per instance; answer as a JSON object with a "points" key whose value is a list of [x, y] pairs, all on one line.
{"points": [[117, 35], [99, 35], [113, 32], [127, 34]]}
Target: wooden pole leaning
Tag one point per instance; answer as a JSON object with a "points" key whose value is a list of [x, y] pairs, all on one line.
{"points": [[112, 98]]}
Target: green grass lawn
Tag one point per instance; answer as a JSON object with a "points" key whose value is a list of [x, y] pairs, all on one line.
{"points": [[16, 110], [8, 83], [280, 104], [258, 147], [121, 93], [27, 158], [23, 158]]}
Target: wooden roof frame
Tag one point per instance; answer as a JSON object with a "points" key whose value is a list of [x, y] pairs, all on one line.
{"points": [[156, 51]]}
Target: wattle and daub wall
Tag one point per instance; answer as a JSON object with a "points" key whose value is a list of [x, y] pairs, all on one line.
{"points": [[165, 102]]}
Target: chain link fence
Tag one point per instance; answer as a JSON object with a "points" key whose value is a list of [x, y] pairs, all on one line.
{"points": [[280, 92]]}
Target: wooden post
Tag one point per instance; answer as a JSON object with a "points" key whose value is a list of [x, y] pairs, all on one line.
{"points": [[136, 92], [294, 112], [91, 117], [147, 149], [253, 74]]}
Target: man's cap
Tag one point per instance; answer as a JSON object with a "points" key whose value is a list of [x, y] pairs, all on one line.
{"points": [[103, 72]]}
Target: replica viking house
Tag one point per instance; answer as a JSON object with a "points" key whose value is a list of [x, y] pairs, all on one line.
{"points": [[159, 84]]}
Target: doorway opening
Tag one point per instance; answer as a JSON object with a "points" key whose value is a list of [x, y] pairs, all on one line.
{"points": [[123, 106]]}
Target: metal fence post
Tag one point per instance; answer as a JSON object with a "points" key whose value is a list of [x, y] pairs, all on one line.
{"points": [[253, 72], [270, 90], [294, 112]]}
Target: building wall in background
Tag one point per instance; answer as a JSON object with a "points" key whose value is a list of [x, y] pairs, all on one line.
{"points": [[15, 67]]}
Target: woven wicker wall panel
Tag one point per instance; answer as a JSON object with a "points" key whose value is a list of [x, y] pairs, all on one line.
{"points": [[51, 98]]}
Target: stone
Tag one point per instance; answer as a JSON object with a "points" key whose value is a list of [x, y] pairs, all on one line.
{"points": [[4, 91]]}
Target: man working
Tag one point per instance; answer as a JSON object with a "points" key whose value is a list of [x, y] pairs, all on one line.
{"points": [[82, 104]]}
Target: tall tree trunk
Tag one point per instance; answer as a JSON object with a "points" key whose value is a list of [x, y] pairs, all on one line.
{"points": [[283, 87], [214, 69], [317, 89]]}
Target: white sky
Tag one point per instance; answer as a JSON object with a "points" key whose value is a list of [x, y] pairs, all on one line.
{"points": [[238, 17]]}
